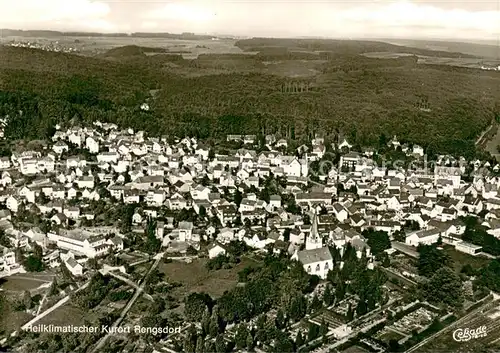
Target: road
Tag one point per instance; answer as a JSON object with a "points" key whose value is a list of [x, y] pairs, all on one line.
{"points": [[405, 249], [127, 281], [398, 276], [129, 305]]}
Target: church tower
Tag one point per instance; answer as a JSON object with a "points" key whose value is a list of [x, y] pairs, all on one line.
{"points": [[314, 241]]}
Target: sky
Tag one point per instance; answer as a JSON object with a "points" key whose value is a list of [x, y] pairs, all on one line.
{"points": [[445, 19]]}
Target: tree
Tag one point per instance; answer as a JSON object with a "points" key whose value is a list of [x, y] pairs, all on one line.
{"points": [[400, 236], [299, 340], [431, 259], [213, 329], [205, 323], [202, 211], [33, 264], [444, 287], [286, 235], [196, 304], [489, 276], [350, 313], [237, 196], [361, 308], [152, 243], [298, 308], [468, 270], [27, 301], [249, 341], [313, 332], [377, 240], [328, 296], [220, 345], [280, 319], [4, 240], [53, 288], [340, 292], [93, 264], [316, 304], [323, 329], [209, 346], [241, 336], [190, 340], [200, 345]]}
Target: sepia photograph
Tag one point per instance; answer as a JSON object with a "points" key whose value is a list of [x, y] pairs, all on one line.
{"points": [[249, 176]]}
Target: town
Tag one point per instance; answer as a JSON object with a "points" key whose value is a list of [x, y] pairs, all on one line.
{"points": [[253, 243]]}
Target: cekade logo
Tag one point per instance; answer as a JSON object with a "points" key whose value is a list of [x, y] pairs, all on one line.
{"points": [[467, 334]]}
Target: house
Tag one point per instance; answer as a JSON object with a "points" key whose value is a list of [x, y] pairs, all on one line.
{"points": [[116, 243], [315, 261], [13, 203], [4, 162], [468, 248], [92, 145], [74, 267], [85, 182], [59, 147], [423, 237], [275, 201], [59, 219], [340, 212], [215, 249], [185, 230]]}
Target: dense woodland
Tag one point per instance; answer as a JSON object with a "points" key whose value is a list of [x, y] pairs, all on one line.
{"points": [[353, 96]]}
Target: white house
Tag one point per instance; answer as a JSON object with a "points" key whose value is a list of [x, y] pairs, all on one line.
{"points": [[424, 237], [468, 248], [92, 145], [74, 267], [216, 249]]}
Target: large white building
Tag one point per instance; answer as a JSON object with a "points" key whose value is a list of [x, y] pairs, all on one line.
{"points": [[315, 261], [80, 242]]}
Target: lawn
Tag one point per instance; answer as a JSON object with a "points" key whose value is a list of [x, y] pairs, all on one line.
{"points": [[22, 282], [66, 315], [195, 277], [14, 320], [354, 349], [387, 335], [460, 259]]}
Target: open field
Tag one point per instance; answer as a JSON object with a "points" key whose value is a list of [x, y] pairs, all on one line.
{"points": [[389, 334], [66, 315], [460, 259], [422, 59], [98, 45], [24, 281], [194, 277], [14, 320], [354, 349]]}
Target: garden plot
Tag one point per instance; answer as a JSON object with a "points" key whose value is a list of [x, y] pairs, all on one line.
{"points": [[414, 321]]}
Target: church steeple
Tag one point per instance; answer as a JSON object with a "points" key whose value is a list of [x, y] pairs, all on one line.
{"points": [[314, 240]]}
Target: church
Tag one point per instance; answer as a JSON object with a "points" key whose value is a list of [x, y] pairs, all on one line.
{"points": [[316, 258]]}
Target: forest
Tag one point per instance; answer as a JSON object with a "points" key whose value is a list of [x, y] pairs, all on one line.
{"points": [[355, 98]]}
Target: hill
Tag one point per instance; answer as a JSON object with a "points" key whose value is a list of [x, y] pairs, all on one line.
{"points": [[486, 50], [54, 34], [443, 108], [338, 47], [131, 50]]}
